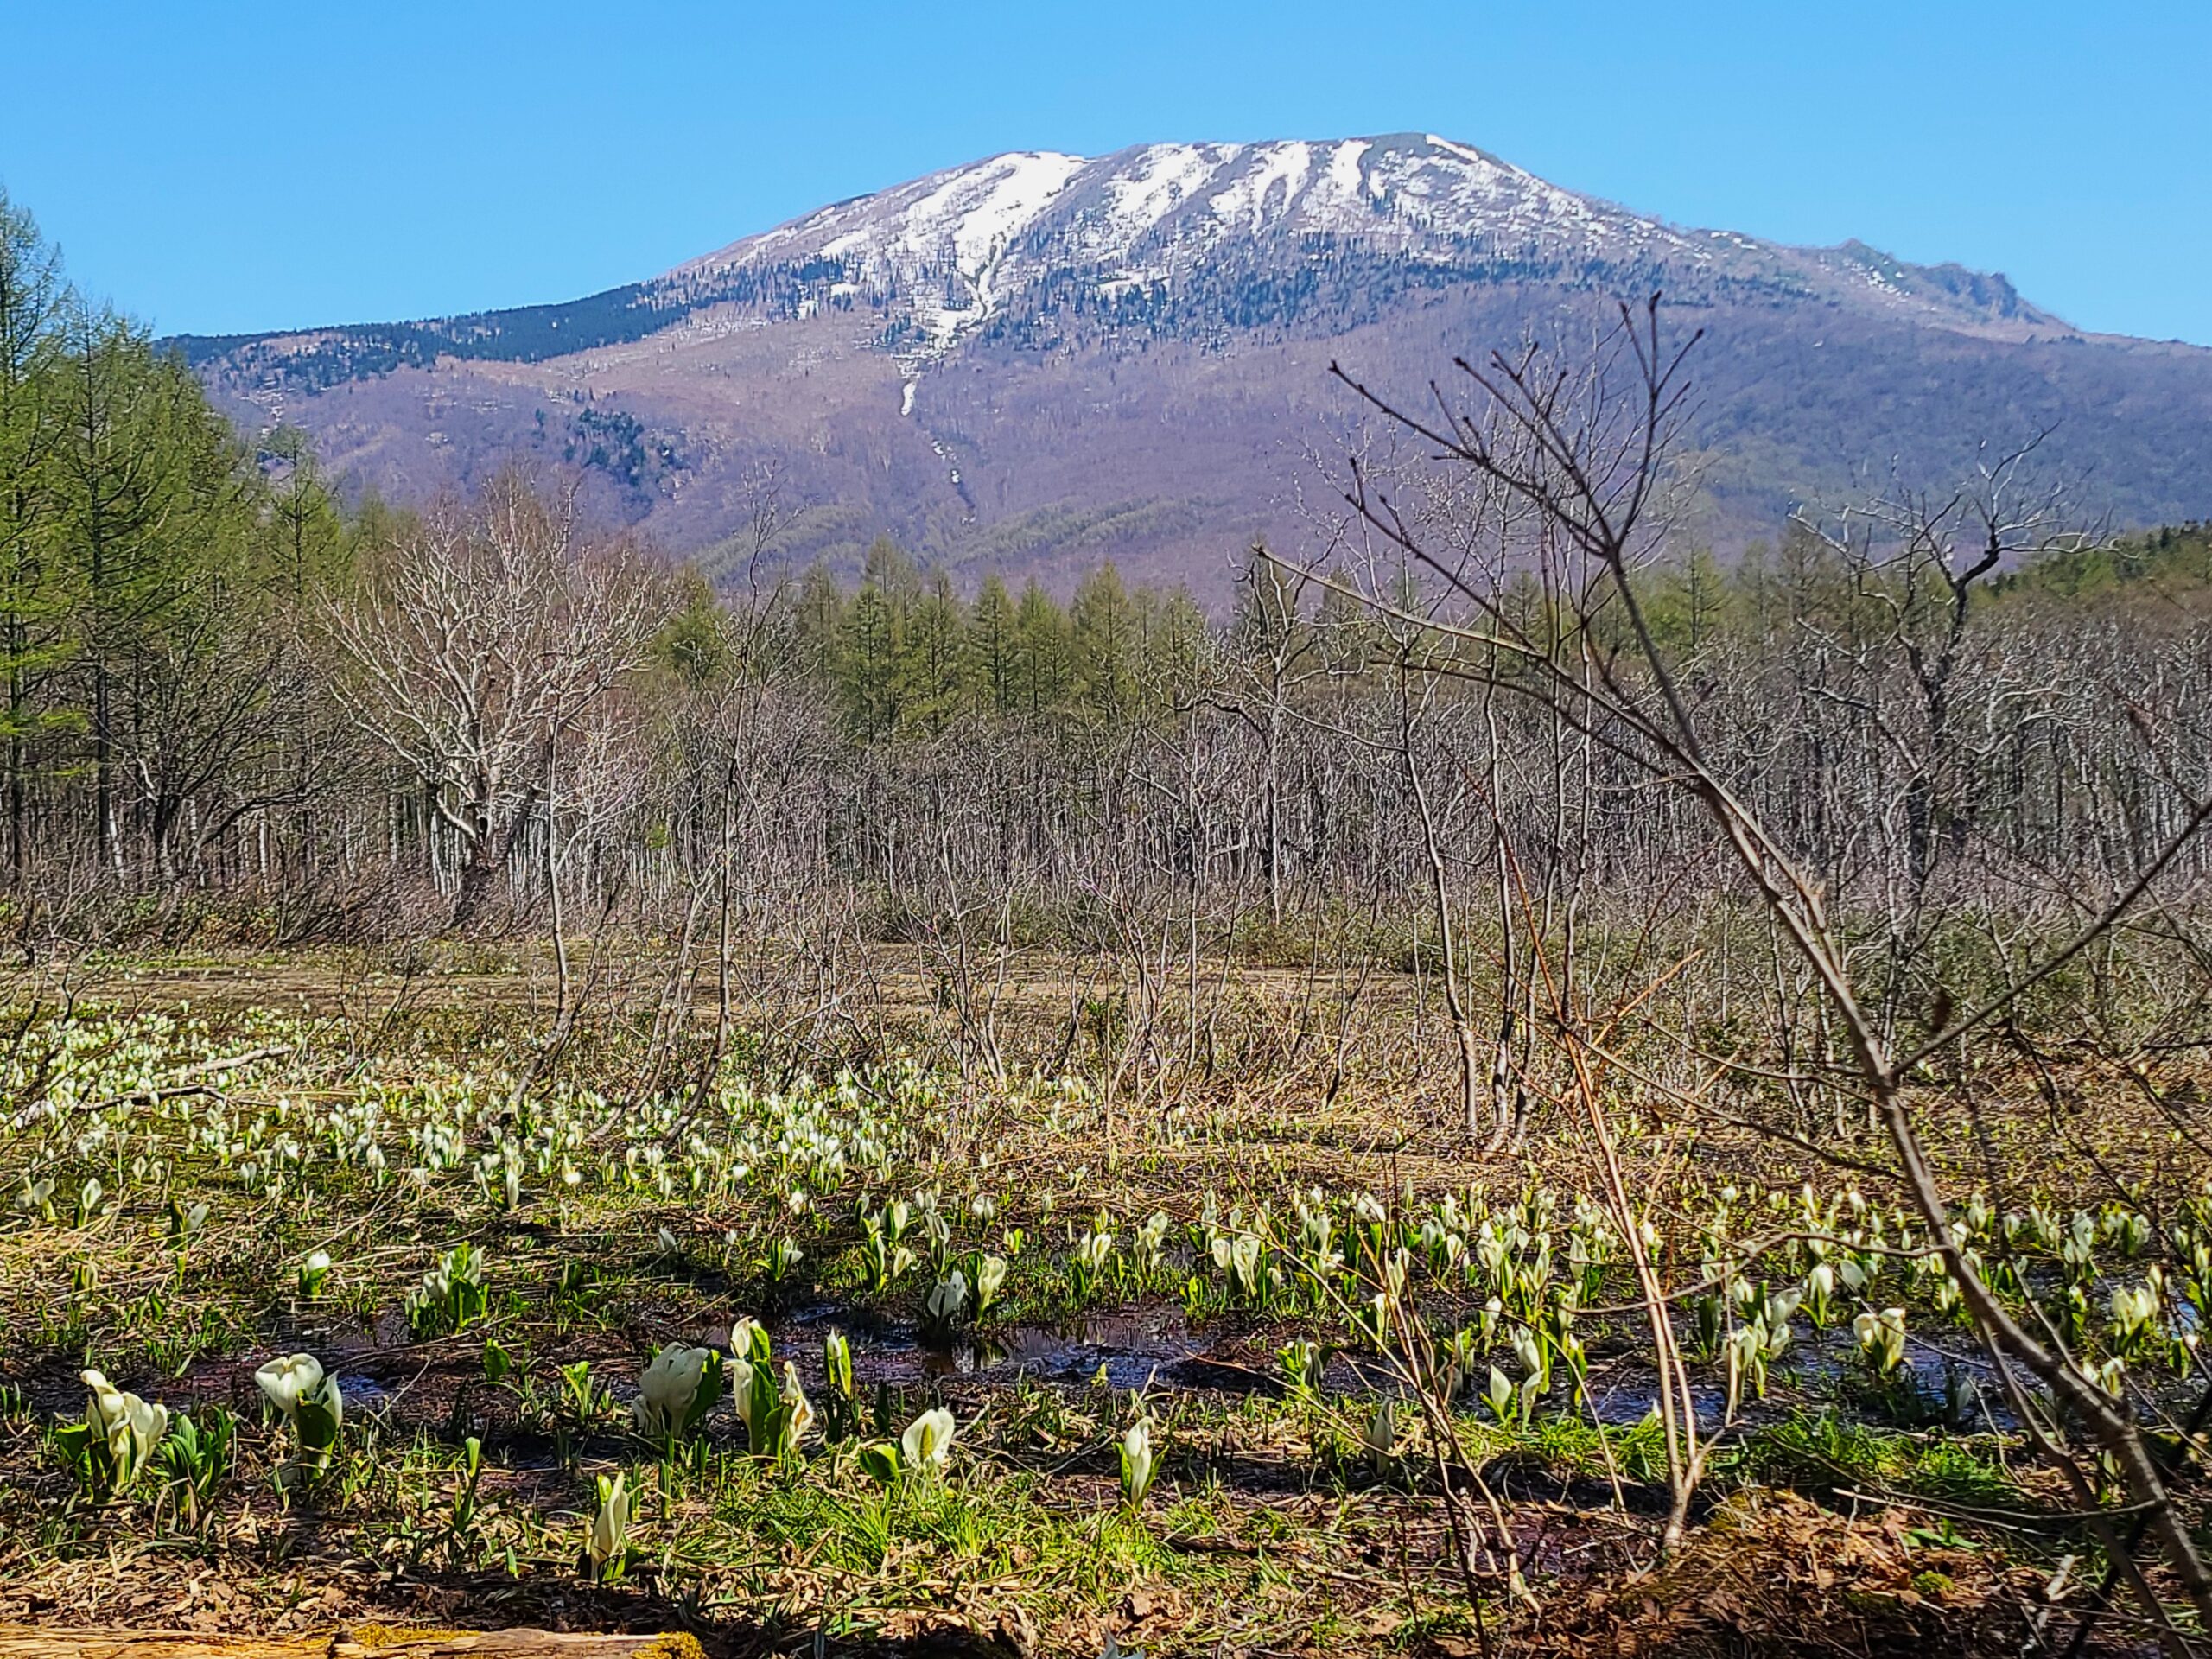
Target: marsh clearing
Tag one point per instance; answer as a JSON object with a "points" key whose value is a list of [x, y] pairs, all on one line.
{"points": [[171, 1209]]}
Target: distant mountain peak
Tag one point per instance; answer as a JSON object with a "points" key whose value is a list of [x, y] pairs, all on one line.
{"points": [[1137, 238], [1039, 357]]}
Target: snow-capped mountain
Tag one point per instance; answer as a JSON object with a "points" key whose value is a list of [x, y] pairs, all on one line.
{"points": [[1037, 359], [991, 229], [962, 245]]}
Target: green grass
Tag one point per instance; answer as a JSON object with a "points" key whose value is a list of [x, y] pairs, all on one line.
{"points": [[1825, 1452]]}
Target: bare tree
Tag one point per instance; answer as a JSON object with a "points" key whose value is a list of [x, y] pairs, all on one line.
{"points": [[1917, 562], [1587, 444], [478, 641]]}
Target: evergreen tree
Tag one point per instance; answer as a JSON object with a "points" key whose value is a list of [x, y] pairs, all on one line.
{"points": [[38, 611], [1041, 671], [695, 644], [818, 625], [1104, 638], [873, 671], [991, 647], [125, 473], [310, 547], [1689, 603], [931, 659], [1174, 646]]}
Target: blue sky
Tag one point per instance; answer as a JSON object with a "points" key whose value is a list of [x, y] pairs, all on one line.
{"points": [[230, 168]]}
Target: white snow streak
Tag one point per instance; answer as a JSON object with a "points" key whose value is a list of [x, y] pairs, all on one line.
{"points": [[1245, 199], [1346, 177], [1164, 177]]}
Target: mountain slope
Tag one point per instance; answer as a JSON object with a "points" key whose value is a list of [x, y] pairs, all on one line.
{"points": [[1038, 359]]}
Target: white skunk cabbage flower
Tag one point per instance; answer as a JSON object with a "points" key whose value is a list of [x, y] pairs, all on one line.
{"points": [[928, 1439], [947, 1299], [991, 1278], [289, 1379], [1238, 1256], [1745, 1350], [1152, 1237], [2133, 1310], [668, 1387], [1138, 1461], [1530, 1353], [610, 1528], [1881, 1339], [311, 1403], [1779, 1307], [131, 1427], [743, 1394], [799, 1411]]}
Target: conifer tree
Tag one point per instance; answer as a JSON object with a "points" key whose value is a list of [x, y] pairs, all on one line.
{"points": [[1041, 673], [127, 497], [931, 658], [991, 647], [818, 625], [310, 548], [1103, 632], [37, 611]]}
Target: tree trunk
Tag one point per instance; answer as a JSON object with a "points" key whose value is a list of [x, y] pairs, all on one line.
{"points": [[475, 882]]}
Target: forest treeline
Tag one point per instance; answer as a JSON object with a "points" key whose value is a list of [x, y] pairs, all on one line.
{"points": [[231, 694]]}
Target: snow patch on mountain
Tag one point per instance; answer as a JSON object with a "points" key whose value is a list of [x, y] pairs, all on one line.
{"points": [[1162, 179], [971, 211], [1345, 175], [1243, 201]]}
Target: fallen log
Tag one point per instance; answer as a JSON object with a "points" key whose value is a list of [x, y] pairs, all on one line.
{"points": [[366, 1642]]}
